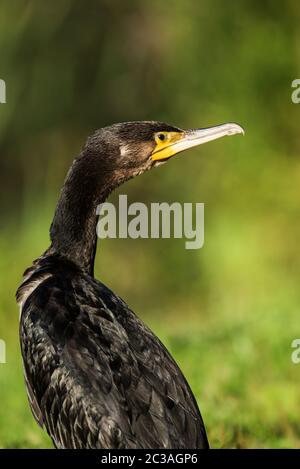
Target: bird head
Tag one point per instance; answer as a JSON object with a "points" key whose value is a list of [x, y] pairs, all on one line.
{"points": [[131, 148]]}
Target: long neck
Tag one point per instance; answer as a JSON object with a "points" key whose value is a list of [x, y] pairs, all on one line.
{"points": [[73, 230]]}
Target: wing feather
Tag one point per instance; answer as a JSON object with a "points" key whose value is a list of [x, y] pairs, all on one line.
{"points": [[97, 377]]}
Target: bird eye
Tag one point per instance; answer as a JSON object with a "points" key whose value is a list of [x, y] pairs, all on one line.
{"points": [[162, 137]]}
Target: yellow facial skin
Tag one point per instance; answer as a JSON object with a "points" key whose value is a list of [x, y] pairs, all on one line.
{"points": [[168, 144], [165, 147]]}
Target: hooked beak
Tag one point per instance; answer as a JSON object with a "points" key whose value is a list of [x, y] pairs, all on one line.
{"points": [[191, 138]]}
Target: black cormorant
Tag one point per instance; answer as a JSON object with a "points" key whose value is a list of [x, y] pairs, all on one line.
{"points": [[96, 376]]}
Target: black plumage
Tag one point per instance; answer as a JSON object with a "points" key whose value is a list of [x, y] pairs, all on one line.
{"points": [[96, 376]]}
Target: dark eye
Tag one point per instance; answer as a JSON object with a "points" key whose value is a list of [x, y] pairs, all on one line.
{"points": [[161, 137]]}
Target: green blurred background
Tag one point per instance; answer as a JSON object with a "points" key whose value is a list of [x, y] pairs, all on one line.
{"points": [[228, 312]]}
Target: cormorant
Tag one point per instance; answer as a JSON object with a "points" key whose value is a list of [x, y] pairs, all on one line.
{"points": [[96, 376]]}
